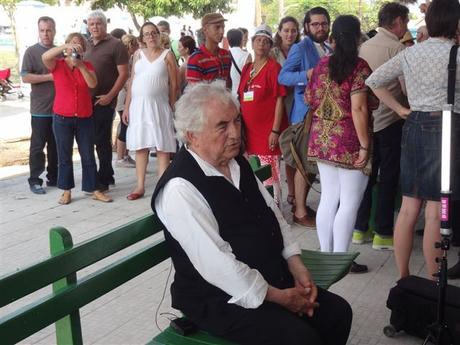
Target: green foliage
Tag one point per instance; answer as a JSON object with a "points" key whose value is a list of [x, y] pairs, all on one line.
{"points": [[165, 8], [365, 10]]}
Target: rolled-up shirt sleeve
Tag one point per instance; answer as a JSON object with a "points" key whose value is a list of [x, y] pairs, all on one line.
{"points": [[187, 216], [386, 73]]}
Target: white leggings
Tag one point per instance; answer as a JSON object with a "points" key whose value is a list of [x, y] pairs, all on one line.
{"points": [[341, 193]]}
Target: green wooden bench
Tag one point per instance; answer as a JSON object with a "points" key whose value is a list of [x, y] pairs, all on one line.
{"points": [[69, 294]]}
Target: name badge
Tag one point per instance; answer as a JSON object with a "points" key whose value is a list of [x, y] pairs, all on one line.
{"points": [[248, 96]]}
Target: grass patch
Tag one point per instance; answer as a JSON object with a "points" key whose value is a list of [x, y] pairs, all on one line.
{"points": [[8, 59]]}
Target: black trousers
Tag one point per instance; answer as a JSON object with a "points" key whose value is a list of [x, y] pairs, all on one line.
{"points": [[385, 165], [42, 135], [271, 324], [103, 119]]}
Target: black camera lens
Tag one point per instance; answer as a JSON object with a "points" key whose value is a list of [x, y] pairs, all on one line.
{"points": [[75, 54]]}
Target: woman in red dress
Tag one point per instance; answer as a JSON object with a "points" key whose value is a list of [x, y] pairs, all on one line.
{"points": [[262, 106]]}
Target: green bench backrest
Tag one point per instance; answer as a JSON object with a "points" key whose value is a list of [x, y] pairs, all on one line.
{"points": [[62, 302]]}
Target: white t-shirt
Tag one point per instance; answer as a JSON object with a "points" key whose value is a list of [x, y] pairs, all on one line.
{"points": [[240, 57]]}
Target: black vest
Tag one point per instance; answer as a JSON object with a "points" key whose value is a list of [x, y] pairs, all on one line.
{"points": [[245, 222]]}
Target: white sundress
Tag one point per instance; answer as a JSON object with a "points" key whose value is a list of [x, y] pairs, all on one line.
{"points": [[150, 115]]}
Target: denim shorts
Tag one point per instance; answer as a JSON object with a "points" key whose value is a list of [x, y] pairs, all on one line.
{"points": [[421, 156]]}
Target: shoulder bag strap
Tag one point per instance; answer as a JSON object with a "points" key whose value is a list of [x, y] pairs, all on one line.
{"points": [[452, 70], [234, 63]]}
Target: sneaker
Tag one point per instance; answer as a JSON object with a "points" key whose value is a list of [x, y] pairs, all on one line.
{"points": [[130, 160], [37, 189], [360, 237], [382, 243], [125, 163]]}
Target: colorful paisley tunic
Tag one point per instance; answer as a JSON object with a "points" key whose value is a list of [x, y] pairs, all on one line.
{"points": [[333, 137]]}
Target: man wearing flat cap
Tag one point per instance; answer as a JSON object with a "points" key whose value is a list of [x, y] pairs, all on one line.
{"points": [[209, 62]]}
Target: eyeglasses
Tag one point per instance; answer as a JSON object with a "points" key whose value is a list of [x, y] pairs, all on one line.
{"points": [[151, 34], [317, 25]]}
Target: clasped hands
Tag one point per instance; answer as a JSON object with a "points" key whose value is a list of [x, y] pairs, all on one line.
{"points": [[300, 299]]}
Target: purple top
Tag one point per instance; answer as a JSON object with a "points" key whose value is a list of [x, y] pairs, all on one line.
{"points": [[333, 137]]}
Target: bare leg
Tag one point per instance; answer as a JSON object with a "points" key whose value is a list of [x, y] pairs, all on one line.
{"points": [[404, 233], [121, 149], [290, 173], [432, 234], [163, 159], [142, 159], [300, 195]]}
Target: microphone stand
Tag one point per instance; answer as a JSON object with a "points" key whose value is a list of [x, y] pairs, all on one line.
{"points": [[439, 332]]}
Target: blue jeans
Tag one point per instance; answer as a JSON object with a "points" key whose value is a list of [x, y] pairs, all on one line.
{"points": [[65, 130]]}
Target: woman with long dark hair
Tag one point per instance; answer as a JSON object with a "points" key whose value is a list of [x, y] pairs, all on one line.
{"points": [[424, 68], [340, 140]]}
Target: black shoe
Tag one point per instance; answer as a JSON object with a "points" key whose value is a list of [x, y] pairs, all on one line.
{"points": [[357, 268], [454, 271], [51, 183], [37, 189]]}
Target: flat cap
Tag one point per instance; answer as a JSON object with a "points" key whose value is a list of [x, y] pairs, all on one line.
{"points": [[212, 18]]}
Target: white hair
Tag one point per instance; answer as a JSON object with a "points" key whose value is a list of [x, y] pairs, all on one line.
{"points": [[190, 108], [98, 14]]}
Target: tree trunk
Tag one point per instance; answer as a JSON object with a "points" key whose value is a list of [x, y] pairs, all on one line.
{"points": [[136, 23], [10, 12]]}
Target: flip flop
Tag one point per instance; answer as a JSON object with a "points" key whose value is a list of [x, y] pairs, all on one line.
{"points": [[134, 196]]}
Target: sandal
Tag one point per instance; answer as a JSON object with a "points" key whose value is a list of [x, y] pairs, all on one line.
{"points": [[291, 199], [65, 198], [101, 196]]}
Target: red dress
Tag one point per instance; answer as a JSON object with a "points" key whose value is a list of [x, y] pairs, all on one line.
{"points": [[259, 113]]}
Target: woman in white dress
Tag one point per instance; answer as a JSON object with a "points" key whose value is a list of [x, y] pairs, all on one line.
{"points": [[150, 104]]}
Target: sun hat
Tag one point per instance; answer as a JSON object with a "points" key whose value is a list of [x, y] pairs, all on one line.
{"points": [[263, 30]]}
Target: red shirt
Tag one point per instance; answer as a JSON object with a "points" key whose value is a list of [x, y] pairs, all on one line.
{"points": [[202, 65], [72, 93], [259, 113]]}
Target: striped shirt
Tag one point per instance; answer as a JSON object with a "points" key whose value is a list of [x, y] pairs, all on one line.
{"points": [[204, 66]]}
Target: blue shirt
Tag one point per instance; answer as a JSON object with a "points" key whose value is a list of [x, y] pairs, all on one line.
{"points": [[302, 57]]}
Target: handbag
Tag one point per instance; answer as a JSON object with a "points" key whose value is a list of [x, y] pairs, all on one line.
{"points": [[293, 143]]}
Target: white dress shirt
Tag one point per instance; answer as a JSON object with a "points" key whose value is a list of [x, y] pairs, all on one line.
{"points": [[188, 217]]}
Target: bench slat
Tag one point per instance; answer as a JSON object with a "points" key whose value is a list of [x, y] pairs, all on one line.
{"points": [[24, 322], [35, 277]]}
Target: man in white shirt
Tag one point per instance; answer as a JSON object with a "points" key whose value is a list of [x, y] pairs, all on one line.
{"points": [[238, 270]]}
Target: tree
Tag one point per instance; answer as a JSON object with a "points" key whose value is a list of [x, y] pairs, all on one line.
{"points": [[366, 11], [164, 8], [9, 6]]}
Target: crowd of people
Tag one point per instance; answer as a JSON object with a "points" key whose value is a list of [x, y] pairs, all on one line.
{"points": [[375, 109]]}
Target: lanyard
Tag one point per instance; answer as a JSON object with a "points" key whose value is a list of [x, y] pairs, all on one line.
{"points": [[253, 73]]}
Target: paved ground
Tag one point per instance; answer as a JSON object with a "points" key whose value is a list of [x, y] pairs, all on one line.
{"points": [[127, 315]]}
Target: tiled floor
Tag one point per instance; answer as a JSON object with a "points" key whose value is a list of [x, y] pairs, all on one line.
{"points": [[127, 314]]}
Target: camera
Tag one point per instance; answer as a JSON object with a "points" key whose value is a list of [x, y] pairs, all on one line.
{"points": [[75, 55]]}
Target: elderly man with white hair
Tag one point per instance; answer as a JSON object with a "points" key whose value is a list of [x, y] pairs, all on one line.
{"points": [[110, 59], [238, 270]]}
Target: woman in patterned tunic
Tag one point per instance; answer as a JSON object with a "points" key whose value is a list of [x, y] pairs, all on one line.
{"points": [[340, 139]]}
